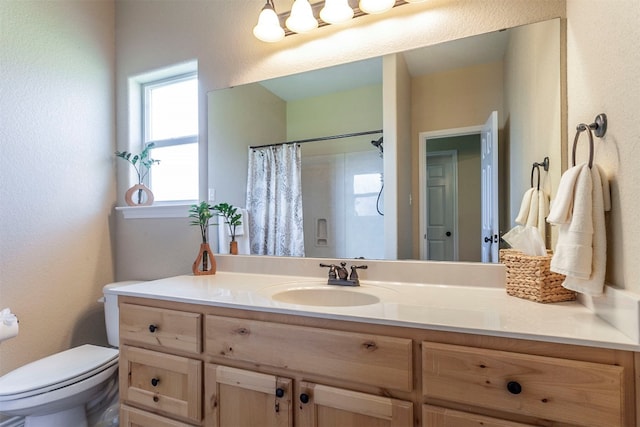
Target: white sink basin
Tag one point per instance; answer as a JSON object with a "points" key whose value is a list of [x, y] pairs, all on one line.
{"points": [[329, 296]]}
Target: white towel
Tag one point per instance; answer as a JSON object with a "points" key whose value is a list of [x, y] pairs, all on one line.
{"points": [[534, 210], [581, 250], [543, 212], [525, 207], [242, 235]]}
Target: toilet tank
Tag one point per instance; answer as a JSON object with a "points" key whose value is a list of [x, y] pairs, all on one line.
{"points": [[111, 312]]}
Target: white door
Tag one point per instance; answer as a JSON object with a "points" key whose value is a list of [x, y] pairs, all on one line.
{"points": [[489, 159], [441, 211]]}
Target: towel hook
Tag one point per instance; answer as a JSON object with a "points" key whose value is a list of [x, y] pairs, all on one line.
{"points": [[583, 127], [599, 126], [544, 164]]}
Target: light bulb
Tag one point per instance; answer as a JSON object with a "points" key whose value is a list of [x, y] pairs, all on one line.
{"points": [[301, 18], [336, 11], [268, 28], [376, 6]]}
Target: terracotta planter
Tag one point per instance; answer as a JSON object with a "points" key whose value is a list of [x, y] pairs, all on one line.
{"points": [[205, 263], [233, 247], [141, 193]]}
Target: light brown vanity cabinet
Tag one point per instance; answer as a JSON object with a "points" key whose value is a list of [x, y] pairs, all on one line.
{"points": [[221, 367]]}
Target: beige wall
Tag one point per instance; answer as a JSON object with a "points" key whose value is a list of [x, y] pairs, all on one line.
{"points": [[57, 59], [603, 65], [56, 172]]}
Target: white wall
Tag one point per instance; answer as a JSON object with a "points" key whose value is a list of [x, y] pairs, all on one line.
{"points": [[56, 172], [603, 69]]}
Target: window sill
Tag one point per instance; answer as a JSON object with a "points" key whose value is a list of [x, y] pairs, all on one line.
{"points": [[180, 210]]}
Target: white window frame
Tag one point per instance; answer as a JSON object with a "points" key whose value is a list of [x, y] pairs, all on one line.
{"points": [[145, 90], [136, 118]]}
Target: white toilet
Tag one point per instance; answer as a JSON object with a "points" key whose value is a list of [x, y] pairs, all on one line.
{"points": [[61, 390]]}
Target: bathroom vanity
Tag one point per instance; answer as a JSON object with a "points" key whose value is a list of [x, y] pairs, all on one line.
{"points": [[271, 350]]}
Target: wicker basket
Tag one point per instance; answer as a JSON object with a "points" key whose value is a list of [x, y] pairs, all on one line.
{"points": [[529, 277]]}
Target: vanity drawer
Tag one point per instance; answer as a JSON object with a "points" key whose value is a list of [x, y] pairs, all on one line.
{"points": [[581, 393], [162, 382], [433, 416], [132, 417], [168, 329], [362, 358]]}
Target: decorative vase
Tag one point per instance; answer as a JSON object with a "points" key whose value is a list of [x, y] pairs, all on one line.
{"points": [[143, 194], [233, 247], [205, 263]]}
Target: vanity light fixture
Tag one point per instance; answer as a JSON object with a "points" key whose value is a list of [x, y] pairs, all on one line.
{"points": [[268, 28], [304, 15], [301, 19], [376, 6], [336, 11]]}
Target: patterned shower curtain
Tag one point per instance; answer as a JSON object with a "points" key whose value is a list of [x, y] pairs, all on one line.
{"points": [[274, 200]]}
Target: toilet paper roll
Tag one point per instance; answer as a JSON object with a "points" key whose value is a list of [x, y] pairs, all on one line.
{"points": [[8, 325]]}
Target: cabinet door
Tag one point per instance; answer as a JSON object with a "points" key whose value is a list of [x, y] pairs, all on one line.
{"points": [[433, 416], [323, 406], [241, 398]]}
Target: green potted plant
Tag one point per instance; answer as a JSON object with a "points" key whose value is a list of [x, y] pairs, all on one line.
{"points": [[200, 215], [142, 164], [232, 218]]}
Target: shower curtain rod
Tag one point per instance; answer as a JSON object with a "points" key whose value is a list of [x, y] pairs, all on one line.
{"points": [[324, 138]]}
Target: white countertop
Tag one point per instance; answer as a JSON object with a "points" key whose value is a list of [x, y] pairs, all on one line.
{"points": [[467, 309]]}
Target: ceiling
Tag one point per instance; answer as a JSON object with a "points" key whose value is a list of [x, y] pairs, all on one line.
{"points": [[460, 53]]}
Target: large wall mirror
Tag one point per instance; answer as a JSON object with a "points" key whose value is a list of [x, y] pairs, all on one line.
{"points": [[377, 133]]}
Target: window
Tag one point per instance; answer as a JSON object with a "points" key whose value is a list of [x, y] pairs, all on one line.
{"points": [[170, 122]]}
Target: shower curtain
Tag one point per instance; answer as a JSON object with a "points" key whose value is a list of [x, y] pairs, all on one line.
{"points": [[274, 200]]}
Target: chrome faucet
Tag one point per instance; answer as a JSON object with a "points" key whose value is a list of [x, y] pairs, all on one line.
{"points": [[339, 275]]}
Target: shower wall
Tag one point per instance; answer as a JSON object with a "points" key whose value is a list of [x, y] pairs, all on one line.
{"points": [[339, 195]]}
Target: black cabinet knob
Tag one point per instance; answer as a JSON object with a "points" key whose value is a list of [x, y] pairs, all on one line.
{"points": [[514, 387], [488, 240], [279, 392], [448, 233], [304, 398], [155, 382], [153, 328]]}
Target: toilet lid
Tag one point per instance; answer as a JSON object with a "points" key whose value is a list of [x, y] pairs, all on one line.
{"points": [[57, 370]]}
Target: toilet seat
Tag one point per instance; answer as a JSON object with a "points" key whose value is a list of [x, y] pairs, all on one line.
{"points": [[56, 371]]}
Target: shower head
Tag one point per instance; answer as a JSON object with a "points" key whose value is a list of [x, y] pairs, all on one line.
{"points": [[378, 144]]}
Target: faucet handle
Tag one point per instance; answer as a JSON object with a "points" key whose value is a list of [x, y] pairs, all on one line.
{"points": [[354, 271], [332, 270]]}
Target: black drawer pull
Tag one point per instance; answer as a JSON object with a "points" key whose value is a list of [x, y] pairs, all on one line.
{"points": [[155, 382], [153, 328], [514, 387]]}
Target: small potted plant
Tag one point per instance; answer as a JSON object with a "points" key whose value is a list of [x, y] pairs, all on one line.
{"points": [[142, 164], [232, 218], [200, 215]]}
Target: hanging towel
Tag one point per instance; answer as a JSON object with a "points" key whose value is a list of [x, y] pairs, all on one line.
{"points": [[242, 235], [543, 212], [525, 207], [581, 249], [534, 210]]}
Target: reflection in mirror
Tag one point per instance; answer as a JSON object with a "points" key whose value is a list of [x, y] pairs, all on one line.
{"points": [[452, 85]]}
